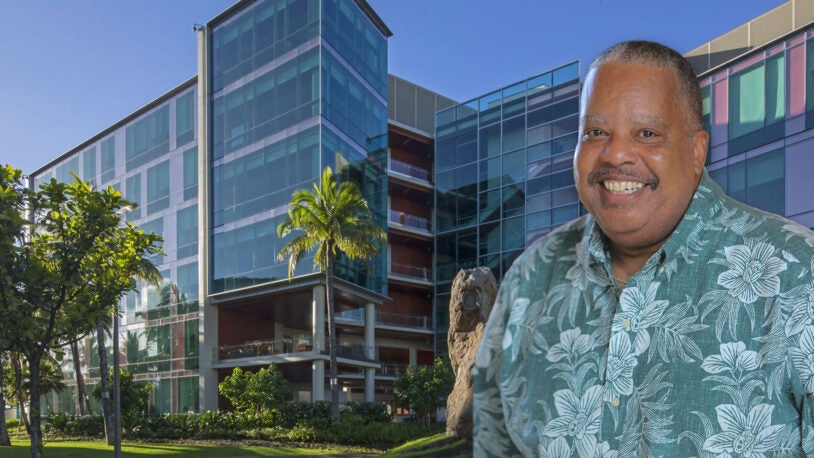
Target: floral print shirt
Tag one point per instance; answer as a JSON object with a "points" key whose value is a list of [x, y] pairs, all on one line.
{"points": [[707, 352]]}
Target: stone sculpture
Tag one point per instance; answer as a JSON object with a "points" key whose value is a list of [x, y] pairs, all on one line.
{"points": [[473, 294]]}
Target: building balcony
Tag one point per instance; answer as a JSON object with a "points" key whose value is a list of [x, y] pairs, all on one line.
{"points": [[288, 346], [386, 319], [413, 274], [409, 171], [408, 222]]}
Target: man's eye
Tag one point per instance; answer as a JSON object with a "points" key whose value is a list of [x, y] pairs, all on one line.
{"points": [[647, 134], [594, 133]]}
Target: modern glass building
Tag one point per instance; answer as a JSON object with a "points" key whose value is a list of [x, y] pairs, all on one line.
{"points": [[503, 176], [758, 94], [152, 157]]}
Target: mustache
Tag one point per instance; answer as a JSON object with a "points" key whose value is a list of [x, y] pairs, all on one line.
{"points": [[621, 173]]}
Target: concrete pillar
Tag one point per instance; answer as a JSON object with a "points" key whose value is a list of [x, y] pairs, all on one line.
{"points": [[413, 356], [318, 331], [370, 351], [370, 330], [370, 384], [318, 380], [318, 341], [208, 315]]}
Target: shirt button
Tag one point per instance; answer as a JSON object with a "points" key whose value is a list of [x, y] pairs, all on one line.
{"points": [[625, 323], [615, 402], [661, 270]]}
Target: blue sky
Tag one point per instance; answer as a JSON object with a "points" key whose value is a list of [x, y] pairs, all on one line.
{"points": [[69, 69]]}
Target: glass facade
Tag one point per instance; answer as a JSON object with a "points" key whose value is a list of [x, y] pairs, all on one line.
{"points": [[757, 111], [297, 86], [503, 176], [153, 160]]}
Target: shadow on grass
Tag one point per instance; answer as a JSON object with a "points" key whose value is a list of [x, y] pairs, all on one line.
{"points": [[88, 449]]}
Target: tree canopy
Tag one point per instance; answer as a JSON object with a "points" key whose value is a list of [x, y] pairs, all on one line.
{"points": [[333, 218], [424, 388], [255, 392], [66, 261]]}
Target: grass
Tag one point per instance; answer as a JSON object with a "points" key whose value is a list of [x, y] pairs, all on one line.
{"points": [[99, 449], [438, 445]]}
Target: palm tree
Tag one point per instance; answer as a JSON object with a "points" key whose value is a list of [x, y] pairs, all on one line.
{"points": [[333, 218]]}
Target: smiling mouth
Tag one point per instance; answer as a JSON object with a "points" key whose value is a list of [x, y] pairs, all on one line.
{"points": [[622, 187]]}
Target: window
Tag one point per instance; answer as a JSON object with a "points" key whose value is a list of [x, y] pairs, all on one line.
{"points": [[187, 231], [765, 178], [757, 181], [191, 344], [158, 187], [187, 288], [67, 169], [108, 159], [132, 192], [185, 118], [188, 394], [163, 396], [191, 173], [89, 165], [757, 96], [148, 138]]}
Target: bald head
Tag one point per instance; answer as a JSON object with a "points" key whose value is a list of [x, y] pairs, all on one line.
{"points": [[657, 55]]}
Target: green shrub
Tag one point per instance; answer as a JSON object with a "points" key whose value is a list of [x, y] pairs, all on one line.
{"points": [[73, 426], [353, 429], [12, 423], [374, 411]]}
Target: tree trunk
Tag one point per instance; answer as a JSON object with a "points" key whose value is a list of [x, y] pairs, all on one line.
{"points": [[4, 439], [107, 412], [18, 388], [82, 401], [329, 300], [34, 401]]}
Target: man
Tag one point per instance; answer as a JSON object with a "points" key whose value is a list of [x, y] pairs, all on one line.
{"points": [[672, 321]]}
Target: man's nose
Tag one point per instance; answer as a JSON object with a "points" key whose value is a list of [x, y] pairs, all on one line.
{"points": [[618, 150]]}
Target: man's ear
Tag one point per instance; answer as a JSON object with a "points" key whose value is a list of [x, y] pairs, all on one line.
{"points": [[700, 143]]}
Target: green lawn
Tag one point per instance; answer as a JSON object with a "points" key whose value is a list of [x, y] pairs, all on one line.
{"points": [[86, 449]]}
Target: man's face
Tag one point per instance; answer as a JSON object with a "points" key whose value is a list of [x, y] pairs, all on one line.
{"points": [[637, 162]]}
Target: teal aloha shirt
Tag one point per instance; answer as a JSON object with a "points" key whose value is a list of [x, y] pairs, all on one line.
{"points": [[708, 351]]}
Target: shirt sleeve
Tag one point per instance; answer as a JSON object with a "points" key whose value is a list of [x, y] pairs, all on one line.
{"points": [[490, 435]]}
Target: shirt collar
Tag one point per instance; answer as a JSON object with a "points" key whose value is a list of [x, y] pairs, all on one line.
{"points": [[706, 201]]}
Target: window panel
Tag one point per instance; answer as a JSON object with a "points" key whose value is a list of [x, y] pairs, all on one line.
{"points": [[775, 89], [108, 159], [191, 344], [797, 81], [148, 138], [132, 192], [158, 187], [187, 231], [765, 181], [89, 164], [191, 173], [185, 118]]}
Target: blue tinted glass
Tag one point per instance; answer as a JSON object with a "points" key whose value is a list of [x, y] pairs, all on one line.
{"points": [[267, 105], [185, 118], [355, 38], [265, 179], [89, 164], [565, 74], [263, 32], [187, 231], [148, 138], [108, 159], [349, 104], [158, 187]]}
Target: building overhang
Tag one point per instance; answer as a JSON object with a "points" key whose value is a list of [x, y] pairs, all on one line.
{"points": [[345, 289]]}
